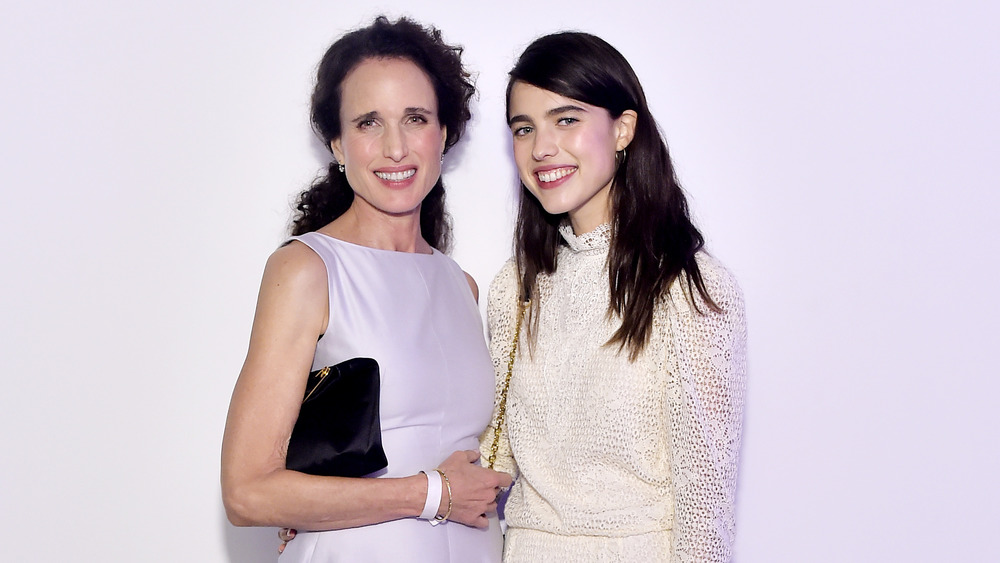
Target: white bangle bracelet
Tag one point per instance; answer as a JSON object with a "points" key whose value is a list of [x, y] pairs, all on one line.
{"points": [[433, 501]]}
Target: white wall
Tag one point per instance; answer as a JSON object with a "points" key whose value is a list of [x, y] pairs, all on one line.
{"points": [[840, 158]]}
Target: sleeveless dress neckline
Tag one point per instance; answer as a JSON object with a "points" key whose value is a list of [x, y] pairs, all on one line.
{"points": [[434, 251]]}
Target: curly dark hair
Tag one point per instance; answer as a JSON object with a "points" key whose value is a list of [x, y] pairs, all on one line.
{"points": [[330, 195]]}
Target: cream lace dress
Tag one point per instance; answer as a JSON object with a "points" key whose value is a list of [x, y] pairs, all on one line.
{"points": [[614, 460]]}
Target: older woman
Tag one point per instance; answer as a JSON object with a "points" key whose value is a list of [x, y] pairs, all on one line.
{"points": [[364, 275]]}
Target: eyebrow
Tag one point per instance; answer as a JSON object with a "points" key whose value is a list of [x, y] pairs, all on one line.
{"points": [[407, 111], [365, 117], [549, 113]]}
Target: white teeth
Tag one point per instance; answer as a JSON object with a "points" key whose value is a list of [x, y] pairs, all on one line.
{"points": [[553, 175], [396, 176]]}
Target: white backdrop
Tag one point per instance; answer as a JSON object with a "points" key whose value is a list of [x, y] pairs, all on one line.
{"points": [[839, 156]]}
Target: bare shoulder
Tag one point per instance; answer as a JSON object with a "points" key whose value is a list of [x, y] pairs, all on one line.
{"points": [[294, 292], [472, 285], [295, 265]]}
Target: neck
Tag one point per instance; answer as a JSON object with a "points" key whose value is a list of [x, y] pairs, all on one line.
{"points": [[593, 213], [366, 226], [583, 223]]}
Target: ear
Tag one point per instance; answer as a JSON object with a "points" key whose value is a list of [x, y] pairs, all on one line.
{"points": [[625, 128], [444, 137], [338, 150]]}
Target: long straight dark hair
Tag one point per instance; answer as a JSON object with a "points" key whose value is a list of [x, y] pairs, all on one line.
{"points": [[653, 240], [330, 195]]}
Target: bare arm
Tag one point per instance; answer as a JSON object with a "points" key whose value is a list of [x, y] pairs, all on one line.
{"points": [[257, 489]]}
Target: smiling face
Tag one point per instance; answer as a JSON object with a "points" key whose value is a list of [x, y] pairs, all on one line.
{"points": [[565, 152], [391, 140]]}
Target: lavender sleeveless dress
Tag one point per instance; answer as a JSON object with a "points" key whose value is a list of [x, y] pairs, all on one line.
{"points": [[415, 315]]}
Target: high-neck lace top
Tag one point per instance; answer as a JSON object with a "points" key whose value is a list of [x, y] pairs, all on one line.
{"points": [[618, 460], [598, 239]]}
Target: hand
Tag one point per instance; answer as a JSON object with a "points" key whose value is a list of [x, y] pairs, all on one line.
{"points": [[285, 535], [474, 489]]}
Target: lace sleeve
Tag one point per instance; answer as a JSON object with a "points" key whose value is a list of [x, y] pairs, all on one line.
{"points": [[501, 314], [706, 392]]}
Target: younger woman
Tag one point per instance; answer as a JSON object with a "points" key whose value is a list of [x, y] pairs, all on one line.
{"points": [[625, 399]]}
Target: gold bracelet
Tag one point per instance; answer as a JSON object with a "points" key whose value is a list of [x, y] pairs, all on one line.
{"points": [[441, 519]]}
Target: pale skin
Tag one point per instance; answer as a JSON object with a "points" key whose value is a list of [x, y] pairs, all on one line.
{"points": [[557, 136], [565, 152], [293, 312]]}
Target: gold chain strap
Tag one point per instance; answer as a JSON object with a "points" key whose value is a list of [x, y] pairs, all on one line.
{"points": [[320, 376], [502, 407]]}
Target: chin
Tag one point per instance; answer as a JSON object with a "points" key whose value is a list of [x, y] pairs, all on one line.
{"points": [[402, 208], [555, 207]]}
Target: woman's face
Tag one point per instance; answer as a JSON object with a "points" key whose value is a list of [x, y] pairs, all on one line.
{"points": [[565, 152], [391, 141]]}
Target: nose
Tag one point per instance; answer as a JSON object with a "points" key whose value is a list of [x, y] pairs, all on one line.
{"points": [[543, 144], [394, 144]]}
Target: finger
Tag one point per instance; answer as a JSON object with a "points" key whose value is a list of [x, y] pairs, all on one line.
{"points": [[471, 455], [281, 548]]}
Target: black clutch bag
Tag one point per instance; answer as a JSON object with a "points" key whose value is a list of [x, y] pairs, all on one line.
{"points": [[338, 431]]}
